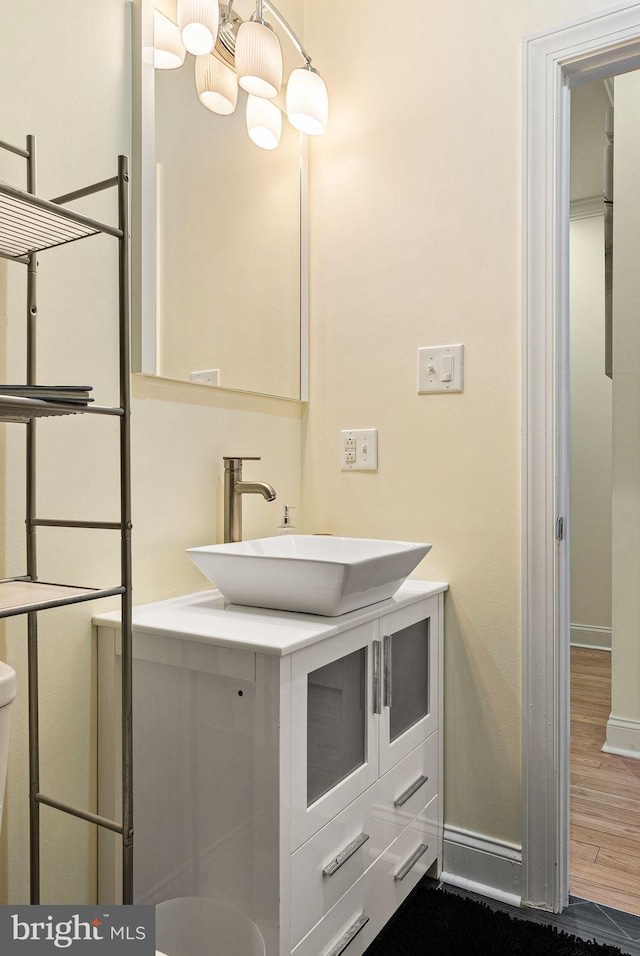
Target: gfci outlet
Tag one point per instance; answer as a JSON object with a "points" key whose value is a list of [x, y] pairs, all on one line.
{"points": [[359, 449]]}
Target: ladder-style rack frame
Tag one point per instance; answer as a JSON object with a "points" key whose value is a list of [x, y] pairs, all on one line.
{"points": [[29, 225]]}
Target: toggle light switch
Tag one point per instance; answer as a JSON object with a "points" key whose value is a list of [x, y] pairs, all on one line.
{"points": [[440, 369]]}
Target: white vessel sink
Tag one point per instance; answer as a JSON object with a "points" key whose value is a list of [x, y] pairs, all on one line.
{"points": [[317, 574]]}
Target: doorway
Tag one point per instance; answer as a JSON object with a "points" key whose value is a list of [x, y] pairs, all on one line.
{"points": [[605, 470], [602, 46]]}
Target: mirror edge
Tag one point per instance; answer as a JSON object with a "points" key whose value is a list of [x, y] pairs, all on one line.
{"points": [[143, 281], [304, 268]]}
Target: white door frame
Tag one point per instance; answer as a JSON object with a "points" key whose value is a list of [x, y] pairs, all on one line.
{"points": [[603, 45]]}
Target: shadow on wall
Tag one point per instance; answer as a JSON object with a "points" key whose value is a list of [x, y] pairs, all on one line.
{"points": [[474, 736]]}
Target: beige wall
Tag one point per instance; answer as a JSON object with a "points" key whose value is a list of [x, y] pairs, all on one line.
{"points": [[590, 435], [65, 69], [416, 238], [625, 686]]}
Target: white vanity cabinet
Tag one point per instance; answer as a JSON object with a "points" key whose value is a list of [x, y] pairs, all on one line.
{"points": [[286, 763]]}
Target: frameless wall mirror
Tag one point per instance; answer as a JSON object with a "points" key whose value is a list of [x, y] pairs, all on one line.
{"points": [[220, 268]]}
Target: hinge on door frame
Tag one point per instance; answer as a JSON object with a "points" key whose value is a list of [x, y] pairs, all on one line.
{"points": [[559, 529]]}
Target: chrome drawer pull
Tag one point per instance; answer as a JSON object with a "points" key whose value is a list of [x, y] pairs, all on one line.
{"points": [[409, 792], [387, 670], [349, 936], [411, 862], [345, 854], [377, 682]]}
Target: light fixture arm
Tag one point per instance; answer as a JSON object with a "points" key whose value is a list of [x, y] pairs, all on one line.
{"points": [[285, 26]]}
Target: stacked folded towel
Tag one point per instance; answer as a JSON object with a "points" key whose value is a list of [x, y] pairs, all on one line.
{"points": [[57, 394]]}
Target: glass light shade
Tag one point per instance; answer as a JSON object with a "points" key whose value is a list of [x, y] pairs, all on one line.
{"points": [[258, 59], [264, 122], [198, 23], [168, 48], [216, 85], [307, 101]]}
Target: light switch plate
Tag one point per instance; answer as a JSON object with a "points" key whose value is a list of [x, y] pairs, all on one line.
{"points": [[359, 449], [441, 369]]}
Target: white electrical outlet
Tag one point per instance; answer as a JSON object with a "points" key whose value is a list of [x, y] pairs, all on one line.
{"points": [[209, 376], [359, 449], [440, 369]]}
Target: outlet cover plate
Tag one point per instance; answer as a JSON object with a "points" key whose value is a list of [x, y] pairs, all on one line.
{"points": [[362, 457], [208, 376], [436, 361]]}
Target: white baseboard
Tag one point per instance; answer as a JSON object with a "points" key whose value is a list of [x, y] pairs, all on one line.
{"points": [[482, 865], [623, 737], [598, 638]]}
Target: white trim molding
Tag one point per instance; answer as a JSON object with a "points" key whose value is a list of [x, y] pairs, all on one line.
{"points": [[623, 737], [587, 208], [482, 865], [598, 47], [597, 638]]}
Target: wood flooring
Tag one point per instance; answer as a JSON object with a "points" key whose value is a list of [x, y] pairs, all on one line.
{"points": [[605, 794]]}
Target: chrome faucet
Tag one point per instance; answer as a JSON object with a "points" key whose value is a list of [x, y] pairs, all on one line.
{"points": [[234, 488]]}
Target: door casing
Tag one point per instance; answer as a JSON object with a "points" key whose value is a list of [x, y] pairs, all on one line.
{"points": [[556, 61]]}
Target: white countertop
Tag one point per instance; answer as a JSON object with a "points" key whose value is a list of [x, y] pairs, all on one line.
{"points": [[207, 618]]}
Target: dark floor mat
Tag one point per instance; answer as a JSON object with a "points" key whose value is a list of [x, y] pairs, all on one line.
{"points": [[436, 923]]}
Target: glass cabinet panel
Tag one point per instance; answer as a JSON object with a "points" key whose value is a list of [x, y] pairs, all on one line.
{"points": [[336, 722], [407, 665]]}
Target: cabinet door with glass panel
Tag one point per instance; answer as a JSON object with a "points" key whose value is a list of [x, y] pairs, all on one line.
{"points": [[333, 726], [409, 683]]}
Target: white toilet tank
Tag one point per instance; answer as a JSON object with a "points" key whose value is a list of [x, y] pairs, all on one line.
{"points": [[7, 694]]}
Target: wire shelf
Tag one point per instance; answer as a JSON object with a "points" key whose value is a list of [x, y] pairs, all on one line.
{"points": [[29, 224], [15, 408], [25, 228], [23, 597]]}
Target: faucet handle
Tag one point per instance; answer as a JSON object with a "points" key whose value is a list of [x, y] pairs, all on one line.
{"points": [[233, 463]]}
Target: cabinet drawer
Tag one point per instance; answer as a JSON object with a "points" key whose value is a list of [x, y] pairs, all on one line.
{"points": [[370, 903], [327, 865], [408, 786]]}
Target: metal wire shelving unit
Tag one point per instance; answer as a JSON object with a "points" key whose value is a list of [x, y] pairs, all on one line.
{"points": [[30, 225]]}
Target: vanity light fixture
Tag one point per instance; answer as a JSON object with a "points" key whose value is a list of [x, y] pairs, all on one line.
{"points": [[198, 22], [264, 122], [253, 50], [307, 100], [168, 49], [216, 84], [258, 57]]}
